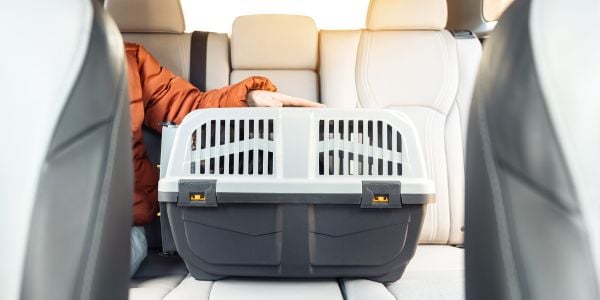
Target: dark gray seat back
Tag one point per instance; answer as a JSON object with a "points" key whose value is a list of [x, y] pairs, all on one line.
{"points": [[532, 195], [77, 241]]}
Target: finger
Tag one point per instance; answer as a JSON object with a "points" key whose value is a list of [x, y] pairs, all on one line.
{"points": [[264, 99], [270, 101], [293, 101]]}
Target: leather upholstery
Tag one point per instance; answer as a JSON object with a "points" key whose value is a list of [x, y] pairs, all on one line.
{"points": [[260, 289], [299, 83], [532, 166], [171, 50], [274, 42], [573, 119], [338, 51], [427, 74], [362, 289], [435, 272], [63, 61], [72, 183], [407, 15], [158, 26], [217, 61], [154, 16], [155, 288], [281, 47]]}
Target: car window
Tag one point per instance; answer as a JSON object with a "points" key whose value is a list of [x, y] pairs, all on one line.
{"points": [[217, 16], [493, 9]]}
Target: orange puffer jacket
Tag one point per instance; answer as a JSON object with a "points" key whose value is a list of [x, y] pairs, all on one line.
{"points": [[157, 95]]}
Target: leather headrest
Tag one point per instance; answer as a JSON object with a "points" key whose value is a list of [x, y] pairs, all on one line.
{"points": [[407, 15], [156, 16], [264, 42]]}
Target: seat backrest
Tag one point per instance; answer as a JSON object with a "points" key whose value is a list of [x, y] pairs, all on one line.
{"points": [[280, 47], [406, 61], [532, 192], [67, 200], [160, 27]]}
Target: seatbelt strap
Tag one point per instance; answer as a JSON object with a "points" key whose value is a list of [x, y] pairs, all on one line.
{"points": [[198, 59]]}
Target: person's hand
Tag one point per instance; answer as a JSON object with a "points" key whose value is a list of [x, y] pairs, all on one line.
{"points": [[258, 98]]}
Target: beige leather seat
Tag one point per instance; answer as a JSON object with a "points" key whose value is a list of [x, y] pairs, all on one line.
{"points": [[406, 61], [159, 26], [280, 47]]}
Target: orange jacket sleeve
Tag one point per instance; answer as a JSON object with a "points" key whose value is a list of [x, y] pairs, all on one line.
{"points": [[157, 95], [168, 97]]}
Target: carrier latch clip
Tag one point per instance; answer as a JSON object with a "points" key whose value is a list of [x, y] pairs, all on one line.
{"points": [[381, 194], [197, 193]]}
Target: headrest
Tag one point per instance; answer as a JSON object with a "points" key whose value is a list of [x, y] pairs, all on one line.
{"points": [[407, 14], [263, 42], [156, 16]]}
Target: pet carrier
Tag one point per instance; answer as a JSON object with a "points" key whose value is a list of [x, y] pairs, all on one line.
{"points": [[281, 192]]}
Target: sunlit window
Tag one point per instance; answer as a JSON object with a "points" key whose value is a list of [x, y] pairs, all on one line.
{"points": [[493, 9], [217, 16]]}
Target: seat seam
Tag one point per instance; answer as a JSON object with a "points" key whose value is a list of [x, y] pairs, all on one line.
{"points": [[212, 284], [460, 122]]}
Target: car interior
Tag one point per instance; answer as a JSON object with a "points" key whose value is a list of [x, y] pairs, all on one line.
{"points": [[505, 111]]}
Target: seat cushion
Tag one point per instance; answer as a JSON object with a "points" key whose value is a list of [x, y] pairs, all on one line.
{"points": [[153, 287], [157, 276], [255, 289], [436, 272]]}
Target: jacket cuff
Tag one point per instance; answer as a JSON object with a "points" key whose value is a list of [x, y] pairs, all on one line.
{"points": [[259, 83]]}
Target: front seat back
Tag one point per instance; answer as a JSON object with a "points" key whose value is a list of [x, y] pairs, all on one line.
{"points": [[67, 202], [533, 163]]}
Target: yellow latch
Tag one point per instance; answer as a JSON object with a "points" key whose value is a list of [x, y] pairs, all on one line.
{"points": [[381, 199], [197, 197]]}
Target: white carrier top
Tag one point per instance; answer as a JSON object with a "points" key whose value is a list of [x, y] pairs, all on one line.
{"points": [[294, 151]]}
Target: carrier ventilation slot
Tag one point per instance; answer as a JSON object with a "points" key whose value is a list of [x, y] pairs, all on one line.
{"points": [[233, 147], [359, 148]]}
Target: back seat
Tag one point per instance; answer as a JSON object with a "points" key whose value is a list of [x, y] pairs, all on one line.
{"points": [[406, 61], [159, 26], [280, 47], [417, 68]]}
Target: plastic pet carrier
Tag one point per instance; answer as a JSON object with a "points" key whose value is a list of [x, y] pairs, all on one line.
{"points": [[309, 193]]}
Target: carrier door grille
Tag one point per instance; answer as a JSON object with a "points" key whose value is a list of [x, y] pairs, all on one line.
{"points": [[359, 147], [233, 147]]}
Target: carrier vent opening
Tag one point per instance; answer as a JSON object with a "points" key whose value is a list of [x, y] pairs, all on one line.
{"points": [[233, 147], [359, 148]]}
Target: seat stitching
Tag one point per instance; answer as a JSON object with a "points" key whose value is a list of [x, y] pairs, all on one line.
{"points": [[441, 89], [366, 54], [430, 157], [460, 122]]}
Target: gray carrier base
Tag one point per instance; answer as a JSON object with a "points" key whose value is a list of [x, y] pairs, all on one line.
{"points": [[232, 206]]}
